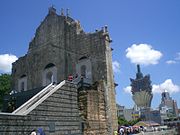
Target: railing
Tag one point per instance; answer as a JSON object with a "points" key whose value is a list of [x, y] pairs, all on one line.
{"points": [[76, 80], [82, 81], [37, 99], [27, 104]]}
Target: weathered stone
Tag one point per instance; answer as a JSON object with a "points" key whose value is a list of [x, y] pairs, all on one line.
{"points": [[59, 49], [64, 119]]}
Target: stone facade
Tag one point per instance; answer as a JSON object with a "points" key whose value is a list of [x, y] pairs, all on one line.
{"points": [[92, 106], [57, 115], [61, 48], [60, 42]]}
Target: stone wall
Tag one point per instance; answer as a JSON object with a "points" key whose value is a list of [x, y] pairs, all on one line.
{"points": [[61, 41], [57, 115], [93, 109], [58, 41]]}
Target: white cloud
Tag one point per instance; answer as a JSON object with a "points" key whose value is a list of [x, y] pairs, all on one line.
{"points": [[177, 56], [167, 85], [143, 54], [116, 66], [175, 60], [171, 62], [127, 89], [6, 61]]}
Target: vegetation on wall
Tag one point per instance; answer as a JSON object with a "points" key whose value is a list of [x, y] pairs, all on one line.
{"points": [[5, 86]]}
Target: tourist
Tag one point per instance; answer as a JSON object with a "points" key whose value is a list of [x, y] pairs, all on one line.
{"points": [[115, 132], [40, 131], [121, 131], [33, 132], [70, 78]]}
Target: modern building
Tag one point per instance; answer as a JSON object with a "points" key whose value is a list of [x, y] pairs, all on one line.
{"points": [[151, 115], [168, 106], [141, 90], [128, 114], [136, 115], [120, 110]]}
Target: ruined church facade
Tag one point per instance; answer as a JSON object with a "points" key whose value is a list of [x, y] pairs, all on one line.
{"points": [[60, 48]]}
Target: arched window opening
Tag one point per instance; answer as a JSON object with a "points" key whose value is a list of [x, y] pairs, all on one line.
{"points": [[22, 83], [22, 86], [22, 76], [83, 70], [49, 74], [50, 65], [84, 57], [49, 77]]}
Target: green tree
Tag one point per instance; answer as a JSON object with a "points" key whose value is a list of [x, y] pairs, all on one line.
{"points": [[124, 122], [5, 86], [133, 122]]}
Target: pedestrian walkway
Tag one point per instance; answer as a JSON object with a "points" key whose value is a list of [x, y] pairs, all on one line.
{"points": [[164, 132]]}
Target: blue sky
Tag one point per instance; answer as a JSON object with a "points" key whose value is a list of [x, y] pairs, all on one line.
{"points": [[145, 32]]}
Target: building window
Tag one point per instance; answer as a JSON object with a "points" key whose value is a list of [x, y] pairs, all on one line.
{"points": [[22, 86], [49, 74], [22, 83], [83, 70], [49, 77]]}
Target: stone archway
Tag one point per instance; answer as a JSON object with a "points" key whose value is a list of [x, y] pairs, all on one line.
{"points": [[83, 71], [84, 68], [22, 83], [49, 77], [49, 74]]}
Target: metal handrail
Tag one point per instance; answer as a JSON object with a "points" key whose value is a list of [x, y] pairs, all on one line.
{"points": [[44, 97], [26, 105]]}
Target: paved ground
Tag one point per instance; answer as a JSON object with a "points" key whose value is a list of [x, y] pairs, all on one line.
{"points": [[165, 132]]}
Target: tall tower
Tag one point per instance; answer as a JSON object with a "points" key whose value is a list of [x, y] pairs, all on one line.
{"points": [[169, 104], [141, 89]]}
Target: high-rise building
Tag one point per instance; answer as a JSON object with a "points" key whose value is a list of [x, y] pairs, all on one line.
{"points": [[141, 90], [120, 110], [168, 106]]}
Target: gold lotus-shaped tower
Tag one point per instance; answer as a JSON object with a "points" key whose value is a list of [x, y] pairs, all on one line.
{"points": [[141, 89]]}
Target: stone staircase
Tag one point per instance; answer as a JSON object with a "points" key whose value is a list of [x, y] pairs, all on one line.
{"points": [[37, 99], [54, 109]]}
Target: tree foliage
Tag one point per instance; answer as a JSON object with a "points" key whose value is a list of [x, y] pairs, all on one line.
{"points": [[124, 122], [5, 85], [133, 122]]}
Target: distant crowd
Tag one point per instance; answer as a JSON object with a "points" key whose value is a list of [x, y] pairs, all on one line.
{"points": [[129, 130]]}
